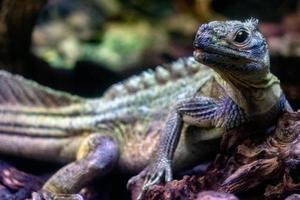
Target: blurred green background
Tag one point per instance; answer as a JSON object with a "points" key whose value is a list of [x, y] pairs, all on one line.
{"points": [[123, 34], [98, 42]]}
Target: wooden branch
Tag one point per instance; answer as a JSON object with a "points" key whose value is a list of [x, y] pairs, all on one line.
{"points": [[248, 160]]}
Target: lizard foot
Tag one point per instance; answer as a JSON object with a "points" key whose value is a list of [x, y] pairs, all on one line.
{"points": [[152, 174], [42, 195]]}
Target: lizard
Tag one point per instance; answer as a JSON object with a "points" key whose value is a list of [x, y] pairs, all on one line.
{"points": [[251, 95], [136, 125]]}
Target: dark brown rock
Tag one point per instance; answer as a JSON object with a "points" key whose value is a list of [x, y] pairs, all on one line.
{"points": [[248, 159]]}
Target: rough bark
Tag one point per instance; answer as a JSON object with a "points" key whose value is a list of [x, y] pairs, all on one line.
{"points": [[248, 159]]}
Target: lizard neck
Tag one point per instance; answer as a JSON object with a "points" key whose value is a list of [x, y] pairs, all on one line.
{"points": [[256, 95]]}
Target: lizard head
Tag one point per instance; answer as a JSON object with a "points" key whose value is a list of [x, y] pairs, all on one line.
{"points": [[233, 48]]}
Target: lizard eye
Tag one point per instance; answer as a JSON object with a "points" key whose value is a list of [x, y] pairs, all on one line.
{"points": [[241, 36]]}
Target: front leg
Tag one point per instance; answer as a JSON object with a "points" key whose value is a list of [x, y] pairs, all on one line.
{"points": [[161, 165], [201, 111]]}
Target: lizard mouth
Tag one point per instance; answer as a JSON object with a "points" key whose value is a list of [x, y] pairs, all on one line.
{"points": [[201, 51], [204, 53]]}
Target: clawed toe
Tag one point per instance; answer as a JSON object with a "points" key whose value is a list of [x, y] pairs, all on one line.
{"points": [[69, 197], [41, 195], [153, 174], [132, 181], [49, 196]]}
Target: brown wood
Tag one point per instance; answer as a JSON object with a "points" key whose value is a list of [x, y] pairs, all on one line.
{"points": [[249, 160]]}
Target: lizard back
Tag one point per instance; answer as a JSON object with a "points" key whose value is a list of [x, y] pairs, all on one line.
{"points": [[132, 111], [27, 108]]}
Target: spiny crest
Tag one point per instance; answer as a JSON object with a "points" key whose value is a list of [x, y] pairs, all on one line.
{"points": [[149, 78], [133, 84], [252, 22], [162, 75]]}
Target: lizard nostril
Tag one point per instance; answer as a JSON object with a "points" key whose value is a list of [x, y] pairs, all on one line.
{"points": [[203, 27]]}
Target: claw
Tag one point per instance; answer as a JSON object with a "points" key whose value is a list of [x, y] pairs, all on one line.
{"points": [[134, 179], [36, 196], [152, 175], [49, 196], [154, 179], [41, 195], [140, 197], [68, 197], [130, 182]]}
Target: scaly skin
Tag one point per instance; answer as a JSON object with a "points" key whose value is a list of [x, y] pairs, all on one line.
{"points": [[122, 128], [39, 123], [238, 53]]}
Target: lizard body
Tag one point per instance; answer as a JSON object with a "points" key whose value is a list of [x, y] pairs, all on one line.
{"points": [[144, 116], [130, 114]]}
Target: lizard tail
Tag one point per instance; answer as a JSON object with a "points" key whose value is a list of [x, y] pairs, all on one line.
{"points": [[27, 108], [16, 91]]}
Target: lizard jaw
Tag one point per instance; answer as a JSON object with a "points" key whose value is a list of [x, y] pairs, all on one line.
{"points": [[201, 55], [204, 55]]}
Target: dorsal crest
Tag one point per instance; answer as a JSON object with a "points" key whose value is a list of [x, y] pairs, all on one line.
{"points": [[161, 75]]}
